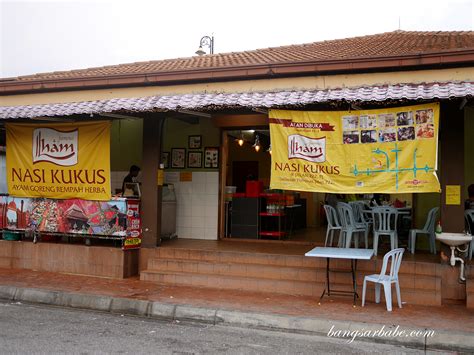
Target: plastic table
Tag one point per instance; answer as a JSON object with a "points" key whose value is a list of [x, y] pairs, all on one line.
{"points": [[353, 254]]}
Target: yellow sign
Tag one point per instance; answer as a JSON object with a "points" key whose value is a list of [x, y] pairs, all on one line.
{"points": [[453, 194], [60, 160], [160, 177], [186, 176], [132, 242], [389, 150]]}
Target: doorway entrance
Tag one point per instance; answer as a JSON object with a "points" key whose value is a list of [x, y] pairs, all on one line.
{"points": [[242, 171], [252, 214]]}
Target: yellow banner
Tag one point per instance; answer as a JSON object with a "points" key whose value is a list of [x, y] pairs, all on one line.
{"points": [[389, 150], [59, 160]]}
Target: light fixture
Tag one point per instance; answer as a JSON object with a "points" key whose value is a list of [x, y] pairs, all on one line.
{"points": [[269, 150], [208, 42], [257, 145], [240, 140]]}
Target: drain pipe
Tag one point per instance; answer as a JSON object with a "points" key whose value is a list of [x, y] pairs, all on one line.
{"points": [[453, 260]]}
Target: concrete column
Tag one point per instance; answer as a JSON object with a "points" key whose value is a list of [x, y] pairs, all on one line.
{"points": [[224, 155], [151, 192], [451, 149]]}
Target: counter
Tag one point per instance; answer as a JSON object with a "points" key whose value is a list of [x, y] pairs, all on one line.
{"points": [[256, 217]]}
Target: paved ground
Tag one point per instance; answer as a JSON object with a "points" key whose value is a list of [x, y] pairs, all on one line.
{"points": [[41, 329], [453, 325], [451, 318]]}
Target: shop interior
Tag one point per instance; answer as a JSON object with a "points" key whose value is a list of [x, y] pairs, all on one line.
{"points": [[254, 211]]}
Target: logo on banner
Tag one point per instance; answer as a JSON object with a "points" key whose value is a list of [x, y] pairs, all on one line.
{"points": [[310, 149], [416, 182], [57, 147]]}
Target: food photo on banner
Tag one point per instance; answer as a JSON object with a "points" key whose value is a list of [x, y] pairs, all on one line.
{"points": [[389, 150], [67, 216]]}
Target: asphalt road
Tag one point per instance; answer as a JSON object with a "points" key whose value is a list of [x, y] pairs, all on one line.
{"points": [[28, 328]]}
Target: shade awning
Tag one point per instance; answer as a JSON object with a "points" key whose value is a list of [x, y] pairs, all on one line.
{"points": [[270, 99]]}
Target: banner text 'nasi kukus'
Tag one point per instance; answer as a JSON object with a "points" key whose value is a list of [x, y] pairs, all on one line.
{"points": [[389, 150], [59, 160]]}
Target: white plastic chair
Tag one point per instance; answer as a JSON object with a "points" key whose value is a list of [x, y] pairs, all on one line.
{"points": [[386, 279], [350, 227], [333, 224], [469, 216], [385, 223], [358, 207], [428, 229]]}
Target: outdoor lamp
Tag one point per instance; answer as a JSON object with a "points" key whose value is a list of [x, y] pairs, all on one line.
{"points": [[269, 150], [208, 42], [256, 145]]}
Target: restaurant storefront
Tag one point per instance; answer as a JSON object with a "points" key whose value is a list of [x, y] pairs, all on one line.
{"points": [[184, 133], [228, 158], [243, 160], [201, 194], [209, 139]]}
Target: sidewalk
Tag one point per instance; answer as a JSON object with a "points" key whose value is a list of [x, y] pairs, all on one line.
{"points": [[454, 325]]}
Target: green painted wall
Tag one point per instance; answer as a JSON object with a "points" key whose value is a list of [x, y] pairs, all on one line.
{"points": [[177, 132], [126, 144], [424, 202]]}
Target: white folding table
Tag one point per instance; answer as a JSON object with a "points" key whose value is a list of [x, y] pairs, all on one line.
{"points": [[353, 254]]}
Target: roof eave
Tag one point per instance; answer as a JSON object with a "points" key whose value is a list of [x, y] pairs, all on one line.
{"points": [[261, 71]]}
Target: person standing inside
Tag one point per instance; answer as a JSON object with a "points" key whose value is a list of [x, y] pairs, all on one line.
{"points": [[131, 177]]}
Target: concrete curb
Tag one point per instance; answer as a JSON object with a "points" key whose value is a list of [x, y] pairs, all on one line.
{"points": [[442, 340]]}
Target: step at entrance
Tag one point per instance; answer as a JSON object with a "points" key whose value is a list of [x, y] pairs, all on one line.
{"points": [[277, 273]]}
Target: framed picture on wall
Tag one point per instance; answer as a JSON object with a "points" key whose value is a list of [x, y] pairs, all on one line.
{"points": [[194, 159], [178, 158], [194, 142], [211, 157], [165, 159]]}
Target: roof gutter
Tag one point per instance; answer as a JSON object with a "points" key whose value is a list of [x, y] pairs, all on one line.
{"points": [[260, 71]]}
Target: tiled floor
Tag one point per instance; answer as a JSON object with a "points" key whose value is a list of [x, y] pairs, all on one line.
{"points": [[269, 247], [315, 236], [274, 247], [450, 317]]}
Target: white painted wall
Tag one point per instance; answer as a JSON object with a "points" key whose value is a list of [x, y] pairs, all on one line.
{"points": [[197, 204]]}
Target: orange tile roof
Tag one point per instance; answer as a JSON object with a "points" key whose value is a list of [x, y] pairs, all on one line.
{"points": [[389, 44]]}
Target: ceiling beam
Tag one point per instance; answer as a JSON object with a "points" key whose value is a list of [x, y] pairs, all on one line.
{"points": [[234, 120]]}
